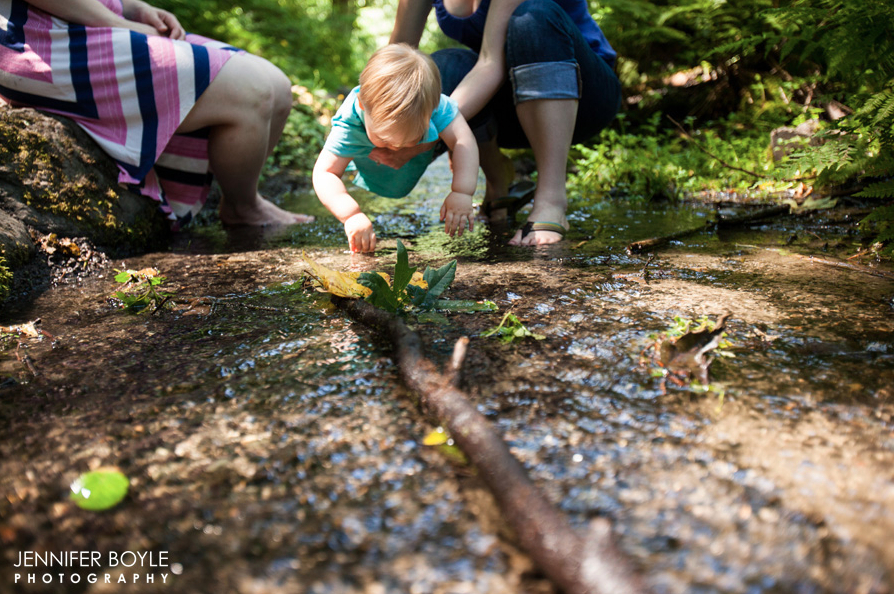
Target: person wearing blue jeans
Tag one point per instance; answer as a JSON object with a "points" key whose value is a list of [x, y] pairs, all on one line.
{"points": [[538, 74]]}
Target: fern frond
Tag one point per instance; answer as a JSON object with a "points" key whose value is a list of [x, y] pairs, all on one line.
{"points": [[883, 189]]}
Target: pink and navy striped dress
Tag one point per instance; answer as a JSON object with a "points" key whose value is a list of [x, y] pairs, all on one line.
{"points": [[129, 91]]}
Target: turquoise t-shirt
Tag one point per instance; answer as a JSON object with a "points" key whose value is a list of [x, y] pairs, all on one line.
{"points": [[348, 139]]}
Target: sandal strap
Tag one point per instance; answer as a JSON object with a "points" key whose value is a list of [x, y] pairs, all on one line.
{"points": [[543, 226]]}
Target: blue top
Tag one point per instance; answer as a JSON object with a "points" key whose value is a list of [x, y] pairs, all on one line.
{"points": [[348, 139], [469, 30]]}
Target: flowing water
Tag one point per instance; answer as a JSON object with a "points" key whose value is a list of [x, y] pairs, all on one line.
{"points": [[272, 448]]}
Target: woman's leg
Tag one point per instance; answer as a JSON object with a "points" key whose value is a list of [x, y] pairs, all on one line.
{"points": [[549, 126], [245, 107], [563, 93]]}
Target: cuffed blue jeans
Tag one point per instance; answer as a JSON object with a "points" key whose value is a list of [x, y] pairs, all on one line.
{"points": [[548, 58]]}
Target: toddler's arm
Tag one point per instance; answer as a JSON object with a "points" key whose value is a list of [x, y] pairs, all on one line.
{"points": [[332, 193], [456, 211]]}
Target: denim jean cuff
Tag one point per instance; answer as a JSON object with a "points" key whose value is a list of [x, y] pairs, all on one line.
{"points": [[545, 80]]}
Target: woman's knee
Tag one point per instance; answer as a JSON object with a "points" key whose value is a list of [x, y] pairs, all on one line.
{"points": [[278, 85], [252, 85], [537, 17], [540, 31]]}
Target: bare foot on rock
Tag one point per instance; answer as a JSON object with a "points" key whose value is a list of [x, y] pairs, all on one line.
{"points": [[259, 213]]}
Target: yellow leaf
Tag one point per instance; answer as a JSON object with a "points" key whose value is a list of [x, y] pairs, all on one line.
{"points": [[27, 329], [418, 281], [436, 437], [335, 282]]}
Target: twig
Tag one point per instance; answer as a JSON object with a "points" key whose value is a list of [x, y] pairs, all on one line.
{"points": [[721, 223], [456, 361], [25, 360], [700, 147], [578, 565]]}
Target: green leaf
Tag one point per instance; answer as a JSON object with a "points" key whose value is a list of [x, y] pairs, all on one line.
{"points": [[100, 489], [403, 274], [465, 305], [432, 317], [381, 296], [514, 329], [123, 276], [438, 281]]}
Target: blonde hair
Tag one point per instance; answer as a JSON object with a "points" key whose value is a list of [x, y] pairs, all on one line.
{"points": [[400, 87]]}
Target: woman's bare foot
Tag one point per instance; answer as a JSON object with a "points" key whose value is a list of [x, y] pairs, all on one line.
{"points": [[259, 213]]}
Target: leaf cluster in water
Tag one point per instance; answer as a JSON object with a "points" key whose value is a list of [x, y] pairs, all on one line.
{"points": [[142, 289], [401, 294]]}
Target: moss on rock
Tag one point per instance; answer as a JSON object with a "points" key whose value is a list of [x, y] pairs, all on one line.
{"points": [[69, 185], [5, 279]]}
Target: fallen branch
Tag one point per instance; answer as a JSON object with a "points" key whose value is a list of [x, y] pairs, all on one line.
{"points": [[577, 564], [721, 223]]}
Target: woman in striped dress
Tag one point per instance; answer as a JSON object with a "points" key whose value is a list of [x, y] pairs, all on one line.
{"points": [[168, 106]]}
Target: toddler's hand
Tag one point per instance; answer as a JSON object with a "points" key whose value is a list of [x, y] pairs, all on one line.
{"points": [[361, 236], [456, 213]]}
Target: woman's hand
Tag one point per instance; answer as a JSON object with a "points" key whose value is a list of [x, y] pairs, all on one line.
{"points": [[161, 21]]}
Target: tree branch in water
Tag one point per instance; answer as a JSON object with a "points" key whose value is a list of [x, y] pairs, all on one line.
{"points": [[589, 564]]}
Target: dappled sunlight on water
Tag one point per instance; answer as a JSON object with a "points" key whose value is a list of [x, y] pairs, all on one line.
{"points": [[271, 446]]}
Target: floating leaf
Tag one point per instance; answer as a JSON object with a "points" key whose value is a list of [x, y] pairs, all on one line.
{"points": [[441, 440], [436, 437], [335, 282], [432, 317], [686, 355], [139, 290], [510, 328], [409, 287], [28, 329], [811, 203], [99, 489], [464, 305]]}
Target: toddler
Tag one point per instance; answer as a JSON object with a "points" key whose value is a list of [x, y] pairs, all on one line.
{"points": [[398, 106]]}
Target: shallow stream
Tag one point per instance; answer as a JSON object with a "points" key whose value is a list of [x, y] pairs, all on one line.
{"points": [[271, 446]]}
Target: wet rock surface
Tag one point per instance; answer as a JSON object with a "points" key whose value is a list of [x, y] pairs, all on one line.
{"points": [[55, 181], [271, 447]]}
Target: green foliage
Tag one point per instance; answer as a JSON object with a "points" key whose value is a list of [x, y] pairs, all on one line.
{"points": [[654, 162], [510, 328], [301, 142], [315, 41], [438, 280], [5, 279], [683, 325], [401, 295], [771, 62], [881, 223], [141, 290], [654, 37], [99, 489]]}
